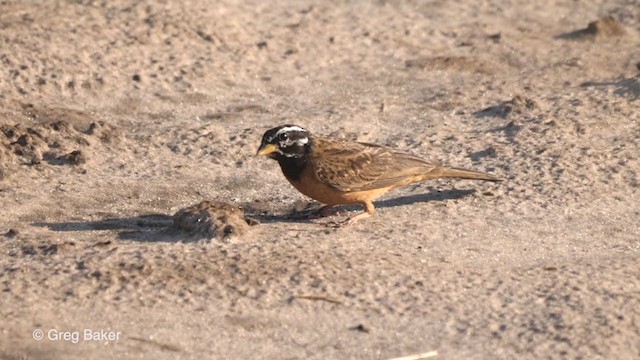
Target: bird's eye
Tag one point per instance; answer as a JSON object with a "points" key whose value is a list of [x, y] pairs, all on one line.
{"points": [[283, 136]]}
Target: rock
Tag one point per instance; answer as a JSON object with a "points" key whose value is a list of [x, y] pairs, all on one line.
{"points": [[75, 158], [11, 233]]}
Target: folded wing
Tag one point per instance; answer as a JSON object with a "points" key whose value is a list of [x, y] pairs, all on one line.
{"points": [[351, 166]]}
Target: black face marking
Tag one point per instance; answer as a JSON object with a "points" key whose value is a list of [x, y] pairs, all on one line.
{"points": [[291, 141], [293, 144]]}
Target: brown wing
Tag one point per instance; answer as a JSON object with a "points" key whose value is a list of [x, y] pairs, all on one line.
{"points": [[352, 166]]}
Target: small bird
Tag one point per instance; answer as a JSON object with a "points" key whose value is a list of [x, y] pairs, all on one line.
{"points": [[340, 172]]}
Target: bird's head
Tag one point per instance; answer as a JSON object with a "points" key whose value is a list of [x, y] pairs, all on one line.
{"points": [[285, 141]]}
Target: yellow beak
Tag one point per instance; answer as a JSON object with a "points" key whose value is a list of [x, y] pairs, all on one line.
{"points": [[267, 149]]}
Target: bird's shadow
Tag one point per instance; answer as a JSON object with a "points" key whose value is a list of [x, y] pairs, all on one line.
{"points": [[302, 216], [432, 195], [629, 88], [160, 227]]}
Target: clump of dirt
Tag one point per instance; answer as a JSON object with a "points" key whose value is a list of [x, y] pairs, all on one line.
{"points": [[518, 105], [75, 158], [22, 145], [55, 136], [607, 27], [213, 220]]}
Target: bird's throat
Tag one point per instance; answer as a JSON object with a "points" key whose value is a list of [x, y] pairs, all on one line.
{"points": [[292, 168]]}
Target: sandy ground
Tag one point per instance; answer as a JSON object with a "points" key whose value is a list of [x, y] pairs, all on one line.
{"points": [[116, 114]]}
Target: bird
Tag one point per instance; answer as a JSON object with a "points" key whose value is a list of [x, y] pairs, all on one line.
{"points": [[336, 171]]}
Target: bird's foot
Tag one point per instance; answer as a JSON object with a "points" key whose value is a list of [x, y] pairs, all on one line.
{"points": [[349, 221], [324, 211]]}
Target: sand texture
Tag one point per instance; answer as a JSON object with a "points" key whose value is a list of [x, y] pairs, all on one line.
{"points": [[131, 200]]}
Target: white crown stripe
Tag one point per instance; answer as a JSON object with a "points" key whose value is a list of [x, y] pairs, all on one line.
{"points": [[290, 128]]}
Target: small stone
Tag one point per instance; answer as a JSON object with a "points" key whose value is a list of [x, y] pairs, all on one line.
{"points": [[11, 233], [75, 158], [360, 328]]}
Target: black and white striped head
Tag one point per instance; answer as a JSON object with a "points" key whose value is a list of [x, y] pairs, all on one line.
{"points": [[285, 141]]}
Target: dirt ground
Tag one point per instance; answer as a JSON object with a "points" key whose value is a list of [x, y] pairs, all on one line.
{"points": [[114, 115]]}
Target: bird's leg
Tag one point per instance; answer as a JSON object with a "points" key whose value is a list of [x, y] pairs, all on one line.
{"points": [[369, 210], [324, 211]]}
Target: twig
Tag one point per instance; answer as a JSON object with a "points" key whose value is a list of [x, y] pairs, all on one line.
{"points": [[160, 345], [318, 298], [417, 356]]}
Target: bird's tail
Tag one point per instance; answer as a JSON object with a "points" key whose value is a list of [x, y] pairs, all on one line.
{"points": [[458, 173]]}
